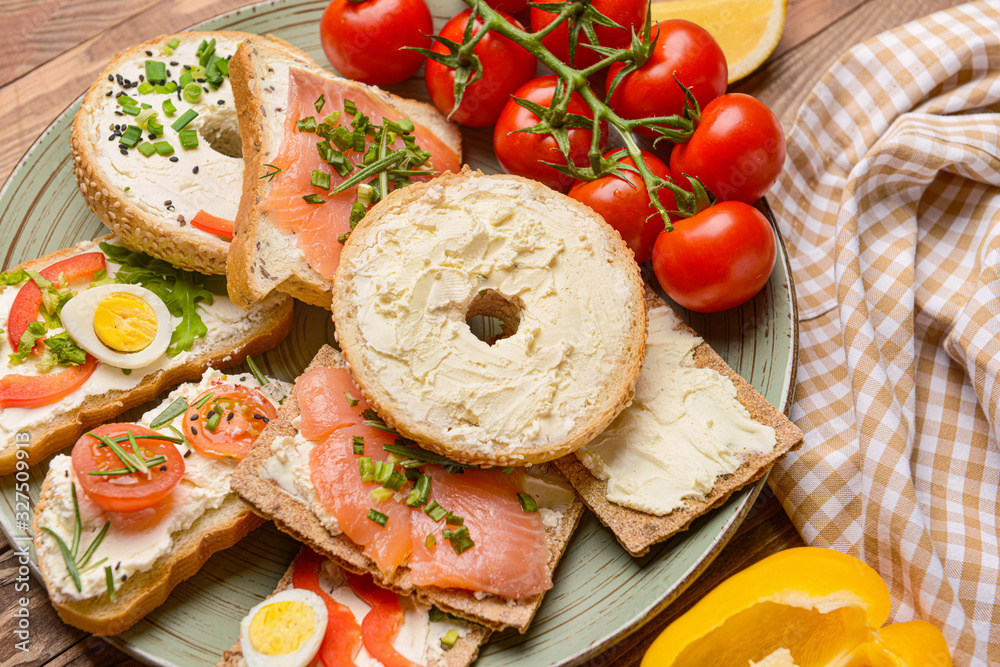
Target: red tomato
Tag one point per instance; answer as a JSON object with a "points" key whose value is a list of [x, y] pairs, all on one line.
{"points": [[683, 49], [29, 391], [342, 640], [133, 491], [508, 6], [523, 153], [716, 259], [364, 40], [627, 13], [624, 204], [505, 67], [24, 309], [243, 414], [737, 150], [207, 222], [382, 623]]}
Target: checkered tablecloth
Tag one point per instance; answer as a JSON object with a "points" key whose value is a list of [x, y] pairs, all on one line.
{"points": [[890, 209]]}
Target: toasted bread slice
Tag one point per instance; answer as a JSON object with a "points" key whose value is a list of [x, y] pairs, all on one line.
{"points": [[637, 531], [56, 426], [463, 653], [263, 257], [149, 202], [294, 516]]}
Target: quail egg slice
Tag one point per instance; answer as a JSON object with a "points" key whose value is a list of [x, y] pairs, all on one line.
{"points": [[286, 630], [126, 326]]}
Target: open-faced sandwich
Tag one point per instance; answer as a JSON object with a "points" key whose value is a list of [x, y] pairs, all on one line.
{"points": [[156, 147], [96, 329], [135, 509], [323, 615], [319, 151]]}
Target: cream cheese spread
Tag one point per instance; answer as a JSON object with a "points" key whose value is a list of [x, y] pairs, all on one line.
{"points": [[174, 188], [684, 429], [222, 318], [551, 264], [131, 546]]}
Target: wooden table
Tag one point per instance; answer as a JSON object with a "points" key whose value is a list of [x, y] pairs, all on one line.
{"points": [[51, 50]]}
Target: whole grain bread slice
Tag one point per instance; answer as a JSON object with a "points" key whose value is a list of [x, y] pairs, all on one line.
{"points": [[638, 531], [463, 653], [263, 258], [267, 325], [294, 517]]}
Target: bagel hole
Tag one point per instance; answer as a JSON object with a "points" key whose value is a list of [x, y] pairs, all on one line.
{"points": [[221, 131], [492, 316]]}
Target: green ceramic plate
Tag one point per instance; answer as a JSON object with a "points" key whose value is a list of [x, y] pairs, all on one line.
{"points": [[601, 594]]}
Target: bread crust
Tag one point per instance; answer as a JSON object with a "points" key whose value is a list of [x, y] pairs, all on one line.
{"points": [[637, 531], [295, 518], [259, 260], [160, 237], [615, 395], [61, 430], [217, 529]]}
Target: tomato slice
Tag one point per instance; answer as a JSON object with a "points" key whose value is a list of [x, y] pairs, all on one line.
{"points": [[28, 391], [24, 309], [242, 411], [380, 625], [129, 492], [207, 222], [342, 640]]}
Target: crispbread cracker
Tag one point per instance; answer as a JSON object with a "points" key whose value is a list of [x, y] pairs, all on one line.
{"points": [[463, 653], [638, 531], [294, 517]]}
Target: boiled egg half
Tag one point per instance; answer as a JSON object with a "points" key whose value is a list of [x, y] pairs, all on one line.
{"points": [[285, 630], [126, 326]]}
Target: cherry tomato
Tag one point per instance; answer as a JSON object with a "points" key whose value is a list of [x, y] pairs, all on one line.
{"points": [[29, 391], [624, 204], [242, 411], [683, 49], [716, 259], [129, 492], [365, 40], [737, 150], [523, 153], [24, 309], [627, 13], [207, 222], [505, 67]]}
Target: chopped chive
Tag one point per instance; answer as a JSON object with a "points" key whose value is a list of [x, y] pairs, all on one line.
{"points": [[350, 107], [155, 128], [430, 541], [185, 118], [366, 469], [131, 110], [191, 93], [358, 443], [163, 148], [396, 480], [320, 179], [351, 401], [380, 495], [269, 175], [357, 212], [168, 107], [223, 65], [332, 118], [131, 136], [126, 101], [146, 148], [319, 103], [213, 422], [453, 520], [383, 471], [459, 539], [145, 88], [450, 639], [204, 399], [435, 511], [341, 138], [420, 492], [185, 79], [307, 124], [174, 43], [109, 581], [378, 517], [528, 503], [507, 470], [313, 199], [156, 72], [170, 413], [188, 138]]}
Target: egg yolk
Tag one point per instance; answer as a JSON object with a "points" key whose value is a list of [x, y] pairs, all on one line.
{"points": [[281, 627], [125, 322]]}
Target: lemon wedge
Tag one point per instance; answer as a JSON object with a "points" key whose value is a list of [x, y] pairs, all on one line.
{"points": [[747, 30]]}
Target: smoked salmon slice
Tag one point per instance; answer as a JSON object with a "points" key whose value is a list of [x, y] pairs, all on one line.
{"points": [[320, 225], [325, 396]]}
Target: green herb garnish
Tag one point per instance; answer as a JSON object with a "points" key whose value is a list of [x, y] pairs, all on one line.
{"points": [[313, 199], [435, 511], [450, 638], [459, 539], [358, 445], [170, 413], [528, 504], [75, 564], [420, 492], [378, 517]]}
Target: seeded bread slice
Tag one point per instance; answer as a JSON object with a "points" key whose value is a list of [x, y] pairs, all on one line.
{"points": [[294, 517], [638, 531], [266, 326], [129, 197], [264, 258], [463, 653]]}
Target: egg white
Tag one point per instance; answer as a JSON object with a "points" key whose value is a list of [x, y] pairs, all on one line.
{"points": [[78, 320], [302, 656]]}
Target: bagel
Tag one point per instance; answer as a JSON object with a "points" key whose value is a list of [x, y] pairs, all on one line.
{"points": [[560, 280], [150, 201]]}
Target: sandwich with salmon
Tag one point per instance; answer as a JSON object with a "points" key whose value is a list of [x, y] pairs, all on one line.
{"points": [[319, 150], [481, 544]]}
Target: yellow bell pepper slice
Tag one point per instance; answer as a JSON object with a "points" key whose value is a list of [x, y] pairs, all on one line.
{"points": [[805, 607]]}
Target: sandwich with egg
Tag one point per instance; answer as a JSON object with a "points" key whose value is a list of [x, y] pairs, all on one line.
{"points": [[96, 329], [321, 615], [136, 508]]}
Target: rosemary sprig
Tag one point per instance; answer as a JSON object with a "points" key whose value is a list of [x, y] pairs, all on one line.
{"points": [[428, 458], [170, 413], [76, 564]]}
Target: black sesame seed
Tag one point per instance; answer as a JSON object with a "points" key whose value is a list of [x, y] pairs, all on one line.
{"points": [[124, 151], [152, 137], [67, 473], [163, 468], [221, 102], [119, 94], [149, 53], [201, 80], [171, 208], [168, 74], [168, 202], [205, 88], [142, 78], [257, 416], [118, 565], [174, 158], [124, 577], [119, 113], [187, 67], [111, 78], [180, 219], [230, 416], [194, 431], [112, 137], [194, 169], [119, 79], [128, 83], [194, 418], [109, 93], [187, 453], [174, 63]]}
